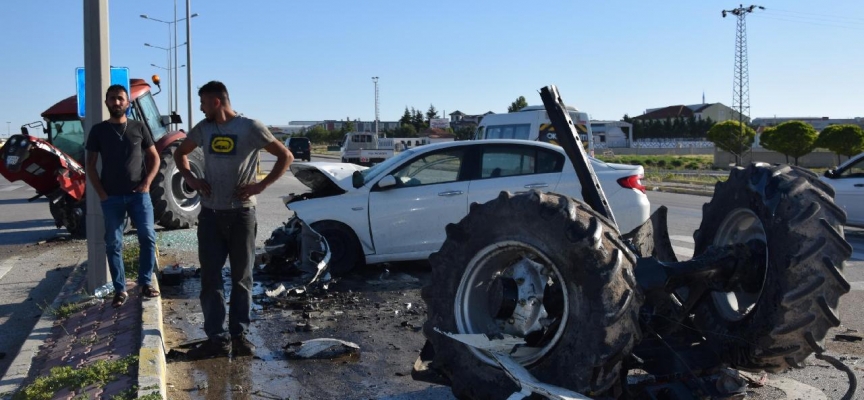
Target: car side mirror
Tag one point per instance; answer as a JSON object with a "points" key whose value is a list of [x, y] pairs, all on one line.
{"points": [[175, 118], [165, 120], [387, 181], [357, 179], [830, 173], [24, 131]]}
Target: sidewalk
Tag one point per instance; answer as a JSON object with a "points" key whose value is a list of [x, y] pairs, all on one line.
{"points": [[96, 332]]}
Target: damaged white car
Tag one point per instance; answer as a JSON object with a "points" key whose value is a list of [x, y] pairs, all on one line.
{"points": [[398, 210]]}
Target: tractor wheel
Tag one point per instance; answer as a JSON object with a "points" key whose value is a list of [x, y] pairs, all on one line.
{"points": [[345, 250], [543, 267], [71, 214], [779, 315], [175, 204]]}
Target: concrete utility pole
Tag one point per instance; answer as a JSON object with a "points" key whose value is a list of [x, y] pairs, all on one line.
{"points": [[375, 79], [97, 73]]}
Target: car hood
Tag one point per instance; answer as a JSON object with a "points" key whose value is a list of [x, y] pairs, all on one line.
{"points": [[325, 176]]}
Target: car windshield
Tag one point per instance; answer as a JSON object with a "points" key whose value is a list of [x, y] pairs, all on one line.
{"points": [[150, 115], [375, 170], [68, 136]]}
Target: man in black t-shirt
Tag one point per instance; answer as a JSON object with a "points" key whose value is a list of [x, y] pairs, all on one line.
{"points": [[129, 164]]}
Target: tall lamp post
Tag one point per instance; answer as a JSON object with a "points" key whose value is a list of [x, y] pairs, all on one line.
{"points": [[375, 79], [173, 47], [172, 85], [8, 128]]}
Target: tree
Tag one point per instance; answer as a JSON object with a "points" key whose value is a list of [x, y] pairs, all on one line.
{"points": [[318, 134], [732, 137], [406, 117], [417, 121], [466, 132], [766, 140], [846, 140], [794, 139], [430, 114], [517, 105], [406, 130]]}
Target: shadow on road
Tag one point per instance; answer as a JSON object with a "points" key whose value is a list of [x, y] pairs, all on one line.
{"points": [[26, 232], [22, 201]]}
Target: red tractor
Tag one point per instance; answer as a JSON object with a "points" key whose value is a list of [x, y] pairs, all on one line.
{"points": [[55, 167]]}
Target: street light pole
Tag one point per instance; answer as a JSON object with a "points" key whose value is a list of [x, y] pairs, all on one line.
{"points": [[189, 16], [375, 79], [170, 85], [8, 128], [173, 100]]}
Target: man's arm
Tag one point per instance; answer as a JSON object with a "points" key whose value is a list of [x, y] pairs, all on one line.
{"points": [[182, 161], [284, 158], [151, 161], [93, 174]]}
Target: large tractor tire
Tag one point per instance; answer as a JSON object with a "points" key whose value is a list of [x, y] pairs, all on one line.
{"points": [[175, 204], [70, 214], [543, 267], [781, 313]]}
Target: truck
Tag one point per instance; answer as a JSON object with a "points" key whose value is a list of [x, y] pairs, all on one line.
{"points": [[54, 167], [365, 148], [532, 123]]}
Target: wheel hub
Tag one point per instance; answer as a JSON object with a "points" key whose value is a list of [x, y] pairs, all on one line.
{"points": [[502, 292], [742, 226]]}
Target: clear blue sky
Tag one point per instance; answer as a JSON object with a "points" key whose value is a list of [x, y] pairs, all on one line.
{"points": [[286, 60]]}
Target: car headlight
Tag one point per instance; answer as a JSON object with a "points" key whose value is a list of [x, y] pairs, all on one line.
{"points": [[23, 142], [13, 141]]}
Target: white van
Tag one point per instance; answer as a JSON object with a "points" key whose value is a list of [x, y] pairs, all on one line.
{"points": [[532, 123]]}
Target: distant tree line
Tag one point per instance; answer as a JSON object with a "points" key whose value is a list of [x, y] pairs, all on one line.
{"points": [[670, 128]]}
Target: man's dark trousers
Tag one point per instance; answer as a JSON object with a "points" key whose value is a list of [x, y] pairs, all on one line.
{"points": [[226, 234]]}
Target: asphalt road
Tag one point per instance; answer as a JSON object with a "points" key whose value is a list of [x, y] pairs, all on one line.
{"points": [[35, 260]]}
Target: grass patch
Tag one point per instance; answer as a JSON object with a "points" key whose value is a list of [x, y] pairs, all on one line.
{"points": [[656, 177], [130, 260], [64, 311], [673, 162], [99, 373]]}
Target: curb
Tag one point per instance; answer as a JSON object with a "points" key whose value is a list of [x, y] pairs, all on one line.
{"points": [[669, 189], [19, 370], [151, 356]]}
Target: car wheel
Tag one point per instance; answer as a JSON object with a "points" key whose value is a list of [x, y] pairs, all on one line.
{"points": [[345, 250]]}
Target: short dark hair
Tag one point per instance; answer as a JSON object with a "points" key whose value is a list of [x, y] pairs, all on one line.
{"points": [[216, 89], [116, 88]]}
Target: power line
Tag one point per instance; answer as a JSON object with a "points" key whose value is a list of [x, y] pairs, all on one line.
{"points": [[811, 14], [811, 22]]}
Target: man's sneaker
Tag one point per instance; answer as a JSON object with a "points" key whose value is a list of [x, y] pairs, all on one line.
{"points": [[242, 347], [209, 349]]}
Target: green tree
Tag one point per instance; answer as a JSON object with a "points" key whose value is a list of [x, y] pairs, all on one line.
{"points": [[406, 130], [318, 134], [517, 105], [406, 117], [794, 139], [466, 132], [430, 114], [732, 137], [846, 140], [418, 121], [766, 140]]}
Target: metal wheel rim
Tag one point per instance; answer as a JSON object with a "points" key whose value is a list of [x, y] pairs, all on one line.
{"points": [[470, 307], [181, 193], [740, 226]]}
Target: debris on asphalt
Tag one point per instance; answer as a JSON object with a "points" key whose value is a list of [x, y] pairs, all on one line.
{"points": [[386, 278], [848, 338], [323, 348], [756, 380], [173, 275]]}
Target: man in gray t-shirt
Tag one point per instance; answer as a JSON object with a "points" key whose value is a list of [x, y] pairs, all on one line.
{"points": [[226, 225]]}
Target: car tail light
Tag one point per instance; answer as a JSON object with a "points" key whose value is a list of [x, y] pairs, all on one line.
{"points": [[632, 182]]}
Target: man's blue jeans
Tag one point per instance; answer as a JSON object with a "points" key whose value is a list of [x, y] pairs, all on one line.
{"points": [[140, 210], [226, 234]]}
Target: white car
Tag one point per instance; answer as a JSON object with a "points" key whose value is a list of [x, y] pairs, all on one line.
{"points": [[397, 210], [848, 183]]}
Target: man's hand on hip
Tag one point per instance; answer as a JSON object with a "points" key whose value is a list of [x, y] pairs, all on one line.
{"points": [[244, 192]]}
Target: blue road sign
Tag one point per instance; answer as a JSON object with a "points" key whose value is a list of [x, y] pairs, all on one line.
{"points": [[119, 76]]}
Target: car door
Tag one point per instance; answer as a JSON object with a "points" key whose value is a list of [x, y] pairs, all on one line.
{"points": [[515, 168], [409, 218], [848, 186]]}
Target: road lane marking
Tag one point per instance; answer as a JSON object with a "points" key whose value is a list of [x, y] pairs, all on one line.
{"points": [[10, 188], [6, 265], [680, 238]]}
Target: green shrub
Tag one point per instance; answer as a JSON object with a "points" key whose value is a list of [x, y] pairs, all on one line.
{"points": [[677, 163]]}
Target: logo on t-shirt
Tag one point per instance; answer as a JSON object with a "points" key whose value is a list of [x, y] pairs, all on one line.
{"points": [[223, 144]]}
